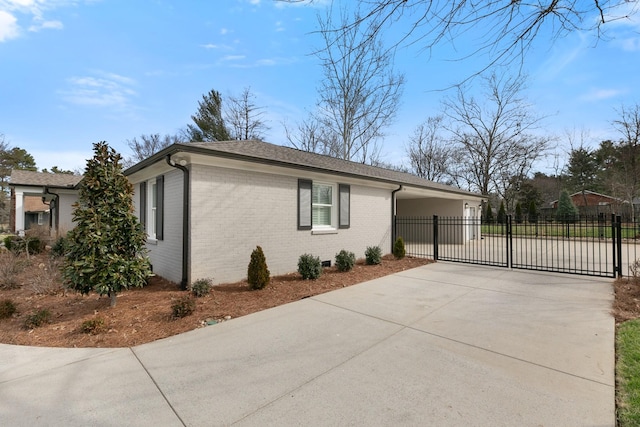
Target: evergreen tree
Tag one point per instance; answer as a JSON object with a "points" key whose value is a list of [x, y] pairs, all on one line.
{"points": [[106, 248], [567, 211], [518, 217], [209, 124], [502, 213], [488, 212], [533, 212]]}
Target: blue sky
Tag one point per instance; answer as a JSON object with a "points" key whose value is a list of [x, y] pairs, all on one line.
{"points": [[74, 72]]}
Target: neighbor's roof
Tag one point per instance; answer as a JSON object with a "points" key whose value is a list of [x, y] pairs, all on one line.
{"points": [[266, 153], [43, 179]]}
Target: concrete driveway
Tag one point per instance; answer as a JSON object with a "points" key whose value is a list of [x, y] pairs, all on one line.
{"points": [[444, 344]]}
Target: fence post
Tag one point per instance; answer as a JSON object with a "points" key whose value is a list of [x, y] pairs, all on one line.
{"points": [[509, 242], [619, 244], [435, 237]]}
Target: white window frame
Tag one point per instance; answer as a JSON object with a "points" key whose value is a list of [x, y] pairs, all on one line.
{"points": [[152, 208], [334, 206]]}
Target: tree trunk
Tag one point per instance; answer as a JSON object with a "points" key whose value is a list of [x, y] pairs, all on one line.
{"points": [[112, 295]]}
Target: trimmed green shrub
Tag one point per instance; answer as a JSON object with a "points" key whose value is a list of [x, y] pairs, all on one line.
{"points": [[7, 308], [17, 244], [201, 287], [373, 255], [309, 266], [345, 260], [93, 326], [183, 306], [257, 272], [37, 319], [398, 248]]}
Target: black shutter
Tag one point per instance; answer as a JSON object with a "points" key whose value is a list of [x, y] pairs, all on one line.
{"points": [[304, 204], [143, 205], [160, 207], [344, 206]]}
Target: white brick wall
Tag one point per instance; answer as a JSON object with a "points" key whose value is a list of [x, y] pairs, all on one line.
{"points": [[235, 210], [166, 254]]}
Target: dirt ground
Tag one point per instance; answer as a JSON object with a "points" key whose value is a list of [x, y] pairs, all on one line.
{"points": [[144, 315]]}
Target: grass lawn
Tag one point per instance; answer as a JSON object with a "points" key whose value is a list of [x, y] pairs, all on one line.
{"points": [[628, 373]]}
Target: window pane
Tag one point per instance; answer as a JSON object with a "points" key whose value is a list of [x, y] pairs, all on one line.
{"points": [[322, 194], [322, 215]]}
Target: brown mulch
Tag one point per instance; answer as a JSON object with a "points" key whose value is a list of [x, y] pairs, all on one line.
{"points": [[626, 305], [144, 315]]}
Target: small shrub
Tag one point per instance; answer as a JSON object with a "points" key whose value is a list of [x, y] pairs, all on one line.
{"points": [[309, 266], [59, 247], [183, 306], [18, 245], [46, 278], [201, 287], [345, 260], [634, 269], [257, 272], [37, 319], [7, 308], [93, 326], [10, 268], [398, 248], [9, 241], [373, 255]]}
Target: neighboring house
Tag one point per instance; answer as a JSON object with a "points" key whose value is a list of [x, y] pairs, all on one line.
{"points": [[590, 198], [34, 194], [206, 206]]}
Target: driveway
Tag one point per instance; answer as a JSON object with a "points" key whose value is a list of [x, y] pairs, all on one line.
{"points": [[445, 344]]}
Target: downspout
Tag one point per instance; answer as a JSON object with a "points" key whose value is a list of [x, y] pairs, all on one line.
{"points": [[393, 215], [56, 198], [185, 221]]}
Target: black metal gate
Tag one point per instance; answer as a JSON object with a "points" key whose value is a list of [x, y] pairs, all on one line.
{"points": [[595, 246]]}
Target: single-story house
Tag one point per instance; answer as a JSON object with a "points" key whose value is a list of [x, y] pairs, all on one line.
{"points": [[590, 198], [206, 206], [32, 191]]}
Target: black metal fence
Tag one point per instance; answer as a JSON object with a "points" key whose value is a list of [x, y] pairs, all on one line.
{"points": [[601, 245]]}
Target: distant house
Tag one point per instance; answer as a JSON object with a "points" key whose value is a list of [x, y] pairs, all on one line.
{"points": [[43, 199], [206, 206], [591, 198]]}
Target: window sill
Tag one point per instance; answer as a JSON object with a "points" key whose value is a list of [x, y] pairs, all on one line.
{"points": [[151, 241], [326, 231]]}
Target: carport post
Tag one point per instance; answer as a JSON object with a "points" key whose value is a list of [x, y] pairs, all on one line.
{"points": [[435, 237]]}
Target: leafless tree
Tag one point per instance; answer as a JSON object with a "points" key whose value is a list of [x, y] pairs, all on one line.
{"points": [[429, 151], [626, 172], [243, 118], [308, 135], [360, 92], [494, 139], [505, 28], [145, 146]]}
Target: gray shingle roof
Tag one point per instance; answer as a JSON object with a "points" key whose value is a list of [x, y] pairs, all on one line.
{"points": [[264, 152], [43, 179]]}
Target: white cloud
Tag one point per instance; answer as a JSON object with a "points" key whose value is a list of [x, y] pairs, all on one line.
{"points": [[601, 94], [104, 90], [630, 44], [223, 31], [14, 12], [9, 28]]}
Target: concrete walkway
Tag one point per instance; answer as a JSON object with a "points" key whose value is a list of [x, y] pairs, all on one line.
{"points": [[445, 344]]}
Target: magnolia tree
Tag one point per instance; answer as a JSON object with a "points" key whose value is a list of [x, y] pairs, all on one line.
{"points": [[106, 252]]}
